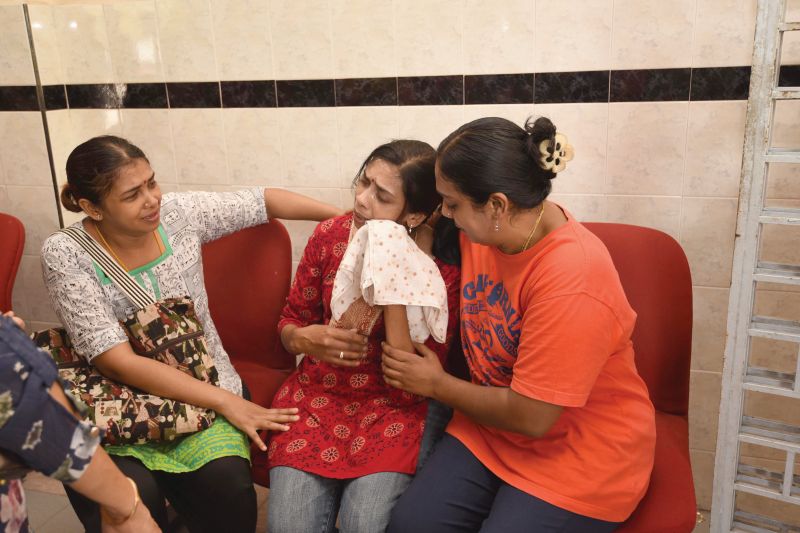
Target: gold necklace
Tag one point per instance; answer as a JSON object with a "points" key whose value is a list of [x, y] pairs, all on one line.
{"points": [[113, 253], [535, 226]]}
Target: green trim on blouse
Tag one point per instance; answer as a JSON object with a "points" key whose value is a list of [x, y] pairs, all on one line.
{"points": [[137, 273]]}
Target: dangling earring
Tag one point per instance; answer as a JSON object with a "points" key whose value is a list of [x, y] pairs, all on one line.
{"points": [[497, 225], [410, 229]]}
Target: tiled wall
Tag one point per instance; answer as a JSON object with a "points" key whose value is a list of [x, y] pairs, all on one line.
{"points": [[228, 93]]}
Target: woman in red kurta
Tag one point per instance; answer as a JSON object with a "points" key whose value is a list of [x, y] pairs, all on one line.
{"points": [[356, 445]]}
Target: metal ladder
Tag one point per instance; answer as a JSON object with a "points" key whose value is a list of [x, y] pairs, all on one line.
{"points": [[731, 475]]}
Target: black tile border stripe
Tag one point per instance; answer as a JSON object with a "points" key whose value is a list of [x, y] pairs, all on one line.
{"points": [[571, 87], [18, 98], [257, 93], [498, 89], [645, 85]]}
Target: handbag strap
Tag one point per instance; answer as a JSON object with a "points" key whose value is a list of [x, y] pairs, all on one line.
{"points": [[124, 281]]}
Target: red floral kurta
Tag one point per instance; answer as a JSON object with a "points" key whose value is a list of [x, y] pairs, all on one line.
{"points": [[351, 422]]}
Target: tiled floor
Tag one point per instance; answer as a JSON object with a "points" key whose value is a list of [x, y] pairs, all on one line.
{"points": [[49, 510]]}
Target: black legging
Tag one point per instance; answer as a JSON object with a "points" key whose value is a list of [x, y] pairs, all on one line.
{"points": [[217, 497]]}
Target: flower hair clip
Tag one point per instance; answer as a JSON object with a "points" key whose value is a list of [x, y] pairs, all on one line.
{"points": [[555, 154]]}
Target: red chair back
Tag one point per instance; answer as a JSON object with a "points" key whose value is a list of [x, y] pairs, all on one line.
{"points": [[247, 277], [655, 276], [12, 243]]}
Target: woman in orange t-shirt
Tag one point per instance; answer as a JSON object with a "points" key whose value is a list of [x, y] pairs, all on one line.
{"points": [[556, 431]]}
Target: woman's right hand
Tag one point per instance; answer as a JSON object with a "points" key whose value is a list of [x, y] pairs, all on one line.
{"points": [[336, 346]]}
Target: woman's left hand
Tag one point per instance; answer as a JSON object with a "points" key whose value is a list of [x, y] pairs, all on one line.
{"points": [[417, 373], [251, 418]]}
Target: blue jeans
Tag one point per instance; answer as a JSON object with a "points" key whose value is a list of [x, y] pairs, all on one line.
{"points": [[300, 502], [455, 492]]}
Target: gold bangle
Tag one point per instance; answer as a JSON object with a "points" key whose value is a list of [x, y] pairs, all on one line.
{"points": [[136, 501]]}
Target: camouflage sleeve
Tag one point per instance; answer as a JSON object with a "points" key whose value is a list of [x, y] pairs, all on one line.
{"points": [[41, 432]]}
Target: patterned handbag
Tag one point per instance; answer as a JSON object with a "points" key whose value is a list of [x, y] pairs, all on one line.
{"points": [[167, 331]]}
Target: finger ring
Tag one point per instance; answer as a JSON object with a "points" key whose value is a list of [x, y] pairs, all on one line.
{"points": [[341, 355]]}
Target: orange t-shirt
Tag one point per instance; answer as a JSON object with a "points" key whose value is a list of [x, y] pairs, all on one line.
{"points": [[553, 323]]}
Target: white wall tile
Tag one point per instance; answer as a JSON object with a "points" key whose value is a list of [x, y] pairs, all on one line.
{"points": [[430, 123], [301, 39], [45, 38], [253, 141], [584, 207], [498, 37], [60, 129], [363, 38], [580, 41], [242, 39], [707, 231], [310, 147], [34, 291], [361, 130], [24, 152], [133, 43], [659, 212], [646, 147], [714, 148], [16, 67], [35, 207], [724, 32], [516, 113], [88, 123], [429, 37], [652, 34], [586, 128], [199, 140], [186, 36], [84, 44], [150, 130]]}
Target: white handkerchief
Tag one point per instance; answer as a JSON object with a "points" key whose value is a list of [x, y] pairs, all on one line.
{"points": [[384, 266]]}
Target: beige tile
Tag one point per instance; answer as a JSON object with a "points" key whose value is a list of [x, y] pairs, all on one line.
{"points": [[703, 474], [587, 43], [778, 304], [199, 146], [646, 148], [38, 299], [783, 512], [346, 198], [710, 312], [586, 127], [299, 232], [429, 123], [790, 51], [46, 42], [714, 148], [43, 507], [363, 38], [309, 147], [254, 147], [780, 356], [772, 407], [301, 39], [150, 130], [16, 67], [134, 48], [704, 400], [498, 36], [516, 113], [24, 152], [87, 123], [361, 130], [658, 212], [242, 39], [584, 207], [785, 133], [59, 126], [35, 481], [723, 33], [429, 37], [84, 44], [707, 232], [652, 34], [36, 208], [186, 38], [783, 183], [779, 244]]}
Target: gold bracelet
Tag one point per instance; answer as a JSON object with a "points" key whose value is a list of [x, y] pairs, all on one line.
{"points": [[136, 501]]}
